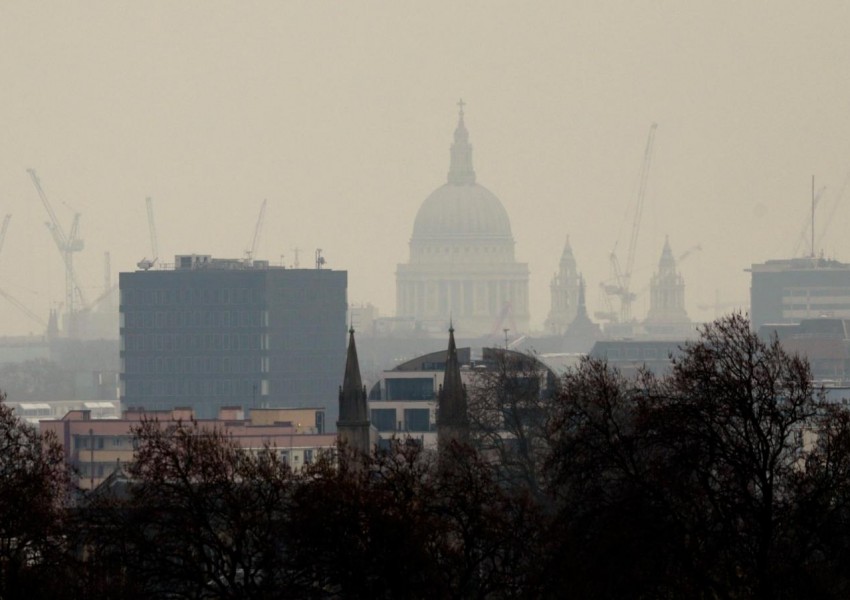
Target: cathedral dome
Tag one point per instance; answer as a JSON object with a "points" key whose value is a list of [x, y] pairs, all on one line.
{"points": [[462, 263], [461, 211]]}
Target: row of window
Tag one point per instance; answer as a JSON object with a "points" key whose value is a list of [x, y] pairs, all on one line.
{"points": [[184, 319], [413, 420], [195, 365], [418, 388], [101, 442], [818, 307], [811, 292], [181, 342], [635, 353], [190, 296], [241, 388]]}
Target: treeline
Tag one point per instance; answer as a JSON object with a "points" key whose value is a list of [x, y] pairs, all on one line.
{"points": [[727, 478]]}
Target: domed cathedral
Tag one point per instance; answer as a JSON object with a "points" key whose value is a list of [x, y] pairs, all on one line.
{"points": [[462, 263], [565, 293], [667, 316]]}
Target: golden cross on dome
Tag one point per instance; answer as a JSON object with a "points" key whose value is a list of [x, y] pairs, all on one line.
{"points": [[461, 104]]}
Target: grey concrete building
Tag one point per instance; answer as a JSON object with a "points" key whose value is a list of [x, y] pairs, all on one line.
{"points": [[211, 333], [788, 291]]}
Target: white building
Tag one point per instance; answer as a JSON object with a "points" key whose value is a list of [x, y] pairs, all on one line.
{"points": [[462, 264]]}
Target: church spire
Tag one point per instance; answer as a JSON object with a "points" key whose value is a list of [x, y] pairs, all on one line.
{"points": [[667, 315], [667, 264], [353, 424], [460, 166], [568, 260], [452, 418]]}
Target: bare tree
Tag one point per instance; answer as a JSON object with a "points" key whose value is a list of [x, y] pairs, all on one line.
{"points": [[34, 493], [201, 517], [509, 410], [692, 485]]}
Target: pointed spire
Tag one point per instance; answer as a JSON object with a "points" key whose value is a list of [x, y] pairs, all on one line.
{"points": [[568, 261], [666, 264], [352, 400], [667, 313], [460, 166], [582, 332], [452, 418]]}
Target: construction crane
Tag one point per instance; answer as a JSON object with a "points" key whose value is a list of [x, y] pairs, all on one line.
{"points": [[67, 246], [3, 229], [9, 298], [146, 264], [622, 278], [255, 241], [825, 223]]}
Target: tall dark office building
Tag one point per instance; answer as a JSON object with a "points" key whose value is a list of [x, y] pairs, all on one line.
{"points": [[211, 333]]}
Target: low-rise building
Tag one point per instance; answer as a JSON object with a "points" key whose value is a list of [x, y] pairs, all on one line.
{"points": [[35, 412], [97, 447], [404, 401]]}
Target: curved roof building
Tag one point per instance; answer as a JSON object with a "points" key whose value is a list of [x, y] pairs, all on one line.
{"points": [[462, 262]]}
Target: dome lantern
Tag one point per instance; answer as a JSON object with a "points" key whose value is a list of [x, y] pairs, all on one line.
{"points": [[460, 165]]}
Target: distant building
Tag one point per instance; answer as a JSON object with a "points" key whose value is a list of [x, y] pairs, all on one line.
{"points": [[35, 412], [97, 447], [667, 316], [211, 333], [630, 356], [564, 291], [788, 291], [406, 401], [824, 342], [581, 333], [462, 264]]}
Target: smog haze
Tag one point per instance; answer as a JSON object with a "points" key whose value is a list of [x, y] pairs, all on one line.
{"points": [[341, 116]]}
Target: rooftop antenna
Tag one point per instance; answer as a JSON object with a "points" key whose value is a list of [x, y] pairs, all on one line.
{"points": [[320, 260]]}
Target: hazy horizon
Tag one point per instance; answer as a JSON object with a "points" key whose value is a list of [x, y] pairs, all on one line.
{"points": [[341, 116]]}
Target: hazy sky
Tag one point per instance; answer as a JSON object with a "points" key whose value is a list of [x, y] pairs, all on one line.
{"points": [[341, 115]]}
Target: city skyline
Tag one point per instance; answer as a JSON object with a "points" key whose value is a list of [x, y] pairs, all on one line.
{"points": [[341, 116]]}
